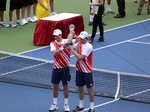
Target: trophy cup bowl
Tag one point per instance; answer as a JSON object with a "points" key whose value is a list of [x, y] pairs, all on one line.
{"points": [[71, 27]]}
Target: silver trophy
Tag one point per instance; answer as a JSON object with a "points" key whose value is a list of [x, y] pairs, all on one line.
{"points": [[71, 27]]}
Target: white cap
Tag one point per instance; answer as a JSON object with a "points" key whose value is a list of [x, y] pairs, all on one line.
{"points": [[57, 32], [83, 35]]}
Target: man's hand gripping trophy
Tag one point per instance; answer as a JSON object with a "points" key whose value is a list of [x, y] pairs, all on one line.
{"points": [[71, 34]]}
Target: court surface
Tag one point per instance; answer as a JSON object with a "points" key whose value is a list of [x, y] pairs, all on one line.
{"points": [[17, 98], [125, 49]]}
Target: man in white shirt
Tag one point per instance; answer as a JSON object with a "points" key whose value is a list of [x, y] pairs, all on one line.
{"points": [[83, 51]]}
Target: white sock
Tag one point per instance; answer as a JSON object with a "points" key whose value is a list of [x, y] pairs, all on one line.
{"points": [[108, 8], [81, 103], [55, 101], [1, 22], [91, 18], [92, 105], [66, 101]]}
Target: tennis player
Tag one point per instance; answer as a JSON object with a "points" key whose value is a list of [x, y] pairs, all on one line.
{"points": [[61, 71], [83, 52]]}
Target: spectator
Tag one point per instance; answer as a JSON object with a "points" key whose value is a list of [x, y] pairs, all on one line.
{"points": [[18, 7], [34, 10], [108, 9], [24, 4], [136, 1], [91, 16], [121, 9], [12, 7], [98, 9], [29, 18], [140, 8], [2, 9], [52, 7], [43, 9]]}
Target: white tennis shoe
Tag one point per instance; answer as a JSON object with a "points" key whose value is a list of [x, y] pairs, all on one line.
{"points": [[34, 18], [53, 107], [30, 19], [66, 108], [53, 13]]}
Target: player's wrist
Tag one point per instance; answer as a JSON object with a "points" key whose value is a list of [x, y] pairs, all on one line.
{"points": [[61, 48], [74, 36]]}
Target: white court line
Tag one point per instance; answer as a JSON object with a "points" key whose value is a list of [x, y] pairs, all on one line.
{"points": [[128, 25], [112, 101], [90, 34], [33, 50], [121, 42], [125, 26], [139, 42], [102, 104], [137, 93], [111, 45]]}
